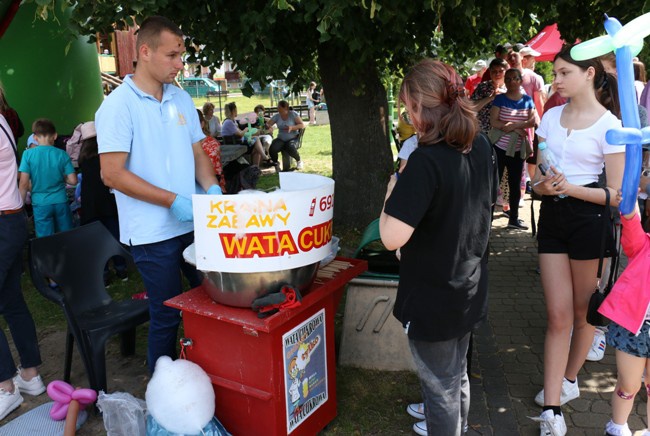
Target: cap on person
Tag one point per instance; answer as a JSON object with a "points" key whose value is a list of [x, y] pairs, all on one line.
{"points": [[404, 127], [479, 65], [503, 48], [31, 141], [88, 130], [529, 51]]}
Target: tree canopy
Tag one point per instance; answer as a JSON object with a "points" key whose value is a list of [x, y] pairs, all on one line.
{"points": [[352, 45]]}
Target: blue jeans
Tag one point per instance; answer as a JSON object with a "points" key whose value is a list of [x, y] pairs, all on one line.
{"points": [[160, 265], [13, 235], [442, 369]]}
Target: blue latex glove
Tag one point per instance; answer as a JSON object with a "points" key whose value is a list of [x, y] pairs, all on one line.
{"points": [[214, 190], [182, 209]]}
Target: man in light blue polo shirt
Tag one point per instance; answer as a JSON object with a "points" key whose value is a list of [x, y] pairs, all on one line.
{"points": [[150, 152]]}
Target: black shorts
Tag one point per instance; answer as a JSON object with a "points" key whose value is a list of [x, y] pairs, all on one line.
{"points": [[572, 226]]}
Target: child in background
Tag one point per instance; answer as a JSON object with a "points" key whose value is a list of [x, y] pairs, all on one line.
{"points": [[265, 134], [627, 307], [47, 169]]}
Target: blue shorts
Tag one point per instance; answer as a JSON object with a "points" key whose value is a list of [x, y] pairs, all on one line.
{"points": [[627, 342], [51, 218]]}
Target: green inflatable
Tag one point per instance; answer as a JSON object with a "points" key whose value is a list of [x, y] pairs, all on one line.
{"points": [[40, 79]]}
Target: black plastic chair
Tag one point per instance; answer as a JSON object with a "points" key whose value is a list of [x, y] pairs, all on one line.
{"points": [[286, 159], [75, 261]]}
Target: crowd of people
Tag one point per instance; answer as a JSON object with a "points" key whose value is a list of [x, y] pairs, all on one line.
{"points": [[460, 138], [123, 179], [438, 214]]}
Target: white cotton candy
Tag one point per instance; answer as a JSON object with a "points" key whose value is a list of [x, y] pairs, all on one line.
{"points": [[180, 396]]}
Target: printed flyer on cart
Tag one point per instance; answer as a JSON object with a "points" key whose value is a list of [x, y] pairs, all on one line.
{"points": [[305, 369]]}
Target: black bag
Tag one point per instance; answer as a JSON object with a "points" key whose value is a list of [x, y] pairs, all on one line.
{"points": [[594, 317]]}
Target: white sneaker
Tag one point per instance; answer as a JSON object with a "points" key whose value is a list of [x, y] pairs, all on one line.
{"points": [[597, 350], [420, 428], [299, 165], [34, 386], [9, 401], [570, 391], [550, 424], [416, 410]]}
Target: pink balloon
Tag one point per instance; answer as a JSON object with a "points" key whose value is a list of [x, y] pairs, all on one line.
{"points": [[62, 393]]}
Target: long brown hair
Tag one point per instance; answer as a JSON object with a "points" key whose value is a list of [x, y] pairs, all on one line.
{"points": [[4, 106], [434, 95], [605, 84], [204, 126]]}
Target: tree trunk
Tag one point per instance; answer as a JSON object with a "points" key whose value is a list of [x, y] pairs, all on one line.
{"points": [[362, 159]]}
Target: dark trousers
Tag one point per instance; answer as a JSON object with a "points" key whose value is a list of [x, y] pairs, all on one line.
{"points": [[515, 165], [160, 265], [13, 235], [278, 145]]}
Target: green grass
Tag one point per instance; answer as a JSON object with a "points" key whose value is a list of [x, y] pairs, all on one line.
{"points": [[244, 104]]}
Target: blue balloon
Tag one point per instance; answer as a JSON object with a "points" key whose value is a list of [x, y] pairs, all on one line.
{"points": [[630, 115], [645, 133], [623, 136], [631, 134]]}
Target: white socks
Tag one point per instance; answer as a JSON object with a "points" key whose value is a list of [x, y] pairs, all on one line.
{"points": [[619, 429]]}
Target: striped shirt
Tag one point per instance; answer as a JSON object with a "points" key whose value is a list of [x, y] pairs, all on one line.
{"points": [[514, 111]]}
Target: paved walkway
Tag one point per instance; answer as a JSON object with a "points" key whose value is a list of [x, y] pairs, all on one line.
{"points": [[509, 348]]}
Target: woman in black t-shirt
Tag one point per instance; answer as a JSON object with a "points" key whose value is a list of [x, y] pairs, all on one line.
{"points": [[439, 214]]}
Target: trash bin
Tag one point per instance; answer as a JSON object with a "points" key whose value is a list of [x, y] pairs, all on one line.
{"points": [[372, 338]]}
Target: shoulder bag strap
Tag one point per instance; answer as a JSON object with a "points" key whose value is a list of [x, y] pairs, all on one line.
{"points": [[13, 144], [616, 257], [603, 238]]}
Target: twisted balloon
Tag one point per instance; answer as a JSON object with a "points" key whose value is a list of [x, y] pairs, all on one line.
{"points": [[62, 394], [626, 41]]}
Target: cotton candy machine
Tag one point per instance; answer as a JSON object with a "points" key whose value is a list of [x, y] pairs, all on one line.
{"points": [[240, 289], [252, 243]]}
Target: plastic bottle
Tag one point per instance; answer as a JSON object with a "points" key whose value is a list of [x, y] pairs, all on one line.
{"points": [[548, 158]]}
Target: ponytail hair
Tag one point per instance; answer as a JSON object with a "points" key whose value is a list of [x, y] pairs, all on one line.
{"points": [[607, 92], [434, 96], [229, 109], [605, 84]]}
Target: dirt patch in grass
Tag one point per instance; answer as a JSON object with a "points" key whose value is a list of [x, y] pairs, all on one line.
{"points": [[124, 374]]}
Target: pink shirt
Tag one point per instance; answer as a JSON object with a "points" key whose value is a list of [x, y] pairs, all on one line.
{"points": [[532, 83], [471, 82], [10, 198], [628, 302]]}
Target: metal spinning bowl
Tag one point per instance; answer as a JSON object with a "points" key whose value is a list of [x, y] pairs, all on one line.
{"points": [[240, 289]]}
